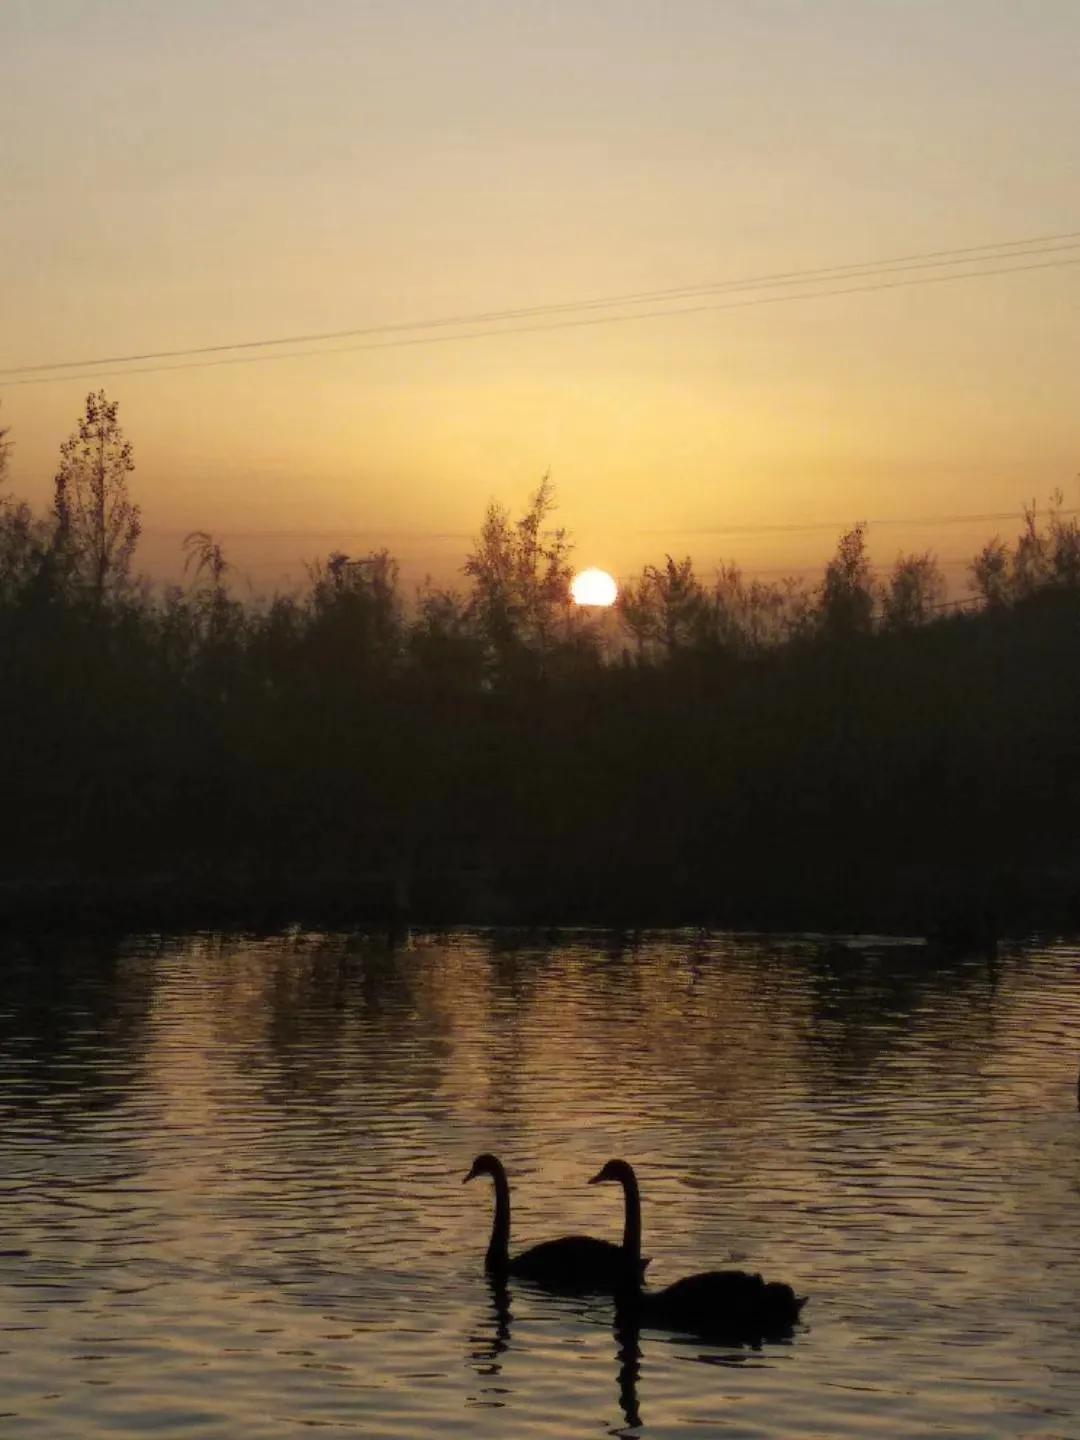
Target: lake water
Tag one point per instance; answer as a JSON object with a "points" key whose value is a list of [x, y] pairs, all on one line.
{"points": [[231, 1199]]}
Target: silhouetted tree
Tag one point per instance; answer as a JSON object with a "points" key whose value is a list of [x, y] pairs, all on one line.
{"points": [[755, 616], [336, 741], [97, 526], [1063, 546], [219, 619], [5, 453], [15, 521], [990, 574], [636, 609], [1041, 559], [445, 650], [916, 588], [275, 638], [355, 619], [848, 592], [521, 581], [1030, 557], [23, 542], [217, 610], [667, 607]]}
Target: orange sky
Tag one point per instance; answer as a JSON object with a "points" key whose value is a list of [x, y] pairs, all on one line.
{"points": [[197, 175]]}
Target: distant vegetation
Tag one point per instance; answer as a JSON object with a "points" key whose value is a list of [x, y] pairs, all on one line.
{"points": [[851, 754]]}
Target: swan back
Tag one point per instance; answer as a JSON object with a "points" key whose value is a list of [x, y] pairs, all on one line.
{"points": [[729, 1303]]}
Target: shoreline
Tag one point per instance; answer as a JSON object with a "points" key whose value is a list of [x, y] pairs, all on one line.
{"points": [[956, 912]]}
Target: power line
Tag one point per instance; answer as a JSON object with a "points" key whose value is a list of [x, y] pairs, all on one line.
{"points": [[550, 325], [918, 260], [927, 521], [1003, 250]]}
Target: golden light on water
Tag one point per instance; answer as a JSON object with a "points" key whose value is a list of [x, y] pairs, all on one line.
{"points": [[594, 587]]}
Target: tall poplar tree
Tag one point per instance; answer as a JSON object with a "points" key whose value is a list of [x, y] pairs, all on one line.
{"points": [[98, 527]]}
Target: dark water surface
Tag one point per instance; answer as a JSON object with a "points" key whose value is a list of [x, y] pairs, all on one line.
{"points": [[233, 1168]]}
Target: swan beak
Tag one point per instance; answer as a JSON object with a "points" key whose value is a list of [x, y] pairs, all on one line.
{"points": [[596, 1179], [470, 1176]]}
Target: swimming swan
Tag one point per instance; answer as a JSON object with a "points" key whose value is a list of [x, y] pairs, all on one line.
{"points": [[574, 1262], [731, 1303]]}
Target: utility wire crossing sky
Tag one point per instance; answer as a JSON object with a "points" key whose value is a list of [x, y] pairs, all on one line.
{"points": [[1010, 250]]}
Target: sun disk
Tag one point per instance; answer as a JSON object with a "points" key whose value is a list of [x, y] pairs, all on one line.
{"points": [[594, 587]]}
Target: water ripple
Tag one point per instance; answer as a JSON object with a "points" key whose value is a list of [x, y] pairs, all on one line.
{"points": [[231, 1200]]}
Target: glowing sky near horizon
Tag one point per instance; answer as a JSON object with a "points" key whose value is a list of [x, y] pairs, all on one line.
{"points": [[197, 174]]}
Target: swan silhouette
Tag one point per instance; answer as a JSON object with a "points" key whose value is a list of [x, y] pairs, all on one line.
{"points": [[573, 1262], [729, 1303]]}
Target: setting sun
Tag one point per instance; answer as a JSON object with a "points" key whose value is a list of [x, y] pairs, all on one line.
{"points": [[594, 587]]}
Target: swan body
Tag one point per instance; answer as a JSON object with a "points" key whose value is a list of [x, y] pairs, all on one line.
{"points": [[573, 1262], [730, 1303], [727, 1303]]}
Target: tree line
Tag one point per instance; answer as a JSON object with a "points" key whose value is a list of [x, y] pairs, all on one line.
{"points": [[856, 751]]}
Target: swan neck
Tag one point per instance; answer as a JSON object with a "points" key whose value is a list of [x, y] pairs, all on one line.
{"points": [[498, 1251], [632, 1225]]}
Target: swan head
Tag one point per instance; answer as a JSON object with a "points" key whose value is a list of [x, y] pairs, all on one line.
{"points": [[620, 1171], [483, 1165]]}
